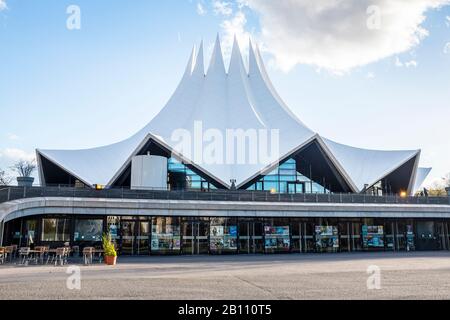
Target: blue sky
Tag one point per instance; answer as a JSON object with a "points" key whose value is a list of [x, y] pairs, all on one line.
{"points": [[65, 89]]}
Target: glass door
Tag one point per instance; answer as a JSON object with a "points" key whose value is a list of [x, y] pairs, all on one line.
{"points": [[251, 237], [143, 238], [195, 237], [128, 237]]}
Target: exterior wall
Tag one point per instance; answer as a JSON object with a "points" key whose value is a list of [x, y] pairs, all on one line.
{"points": [[151, 235], [405, 227], [149, 172]]}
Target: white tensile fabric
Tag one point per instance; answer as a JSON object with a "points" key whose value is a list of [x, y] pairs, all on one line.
{"points": [[240, 99]]}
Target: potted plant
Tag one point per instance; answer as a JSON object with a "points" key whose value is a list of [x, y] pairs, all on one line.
{"points": [[109, 250], [24, 169]]}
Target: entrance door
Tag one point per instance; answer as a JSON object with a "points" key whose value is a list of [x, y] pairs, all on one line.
{"points": [[128, 237], [143, 238], [195, 237], [427, 238], [251, 237]]}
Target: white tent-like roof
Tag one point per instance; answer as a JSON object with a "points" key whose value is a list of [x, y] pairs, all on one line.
{"points": [[240, 99]]}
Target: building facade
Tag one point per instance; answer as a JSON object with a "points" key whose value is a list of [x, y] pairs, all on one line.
{"points": [[156, 195]]}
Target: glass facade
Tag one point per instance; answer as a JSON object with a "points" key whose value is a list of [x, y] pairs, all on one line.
{"points": [[160, 235], [55, 230], [223, 235], [286, 179], [166, 235], [182, 178], [88, 230]]}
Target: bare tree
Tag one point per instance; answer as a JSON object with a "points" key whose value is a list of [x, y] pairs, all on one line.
{"points": [[24, 168], [446, 180], [4, 178]]}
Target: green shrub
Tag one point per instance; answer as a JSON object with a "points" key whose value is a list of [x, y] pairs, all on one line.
{"points": [[108, 246]]}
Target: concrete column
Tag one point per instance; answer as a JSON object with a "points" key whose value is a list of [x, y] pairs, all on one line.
{"points": [[2, 226]]}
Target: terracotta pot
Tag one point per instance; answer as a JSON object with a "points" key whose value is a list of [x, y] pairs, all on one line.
{"points": [[110, 261]]}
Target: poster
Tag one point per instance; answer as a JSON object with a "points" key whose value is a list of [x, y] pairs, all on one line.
{"points": [[277, 237], [327, 237], [373, 236], [223, 237]]}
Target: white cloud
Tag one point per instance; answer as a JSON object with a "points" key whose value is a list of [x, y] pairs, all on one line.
{"points": [[201, 11], [14, 154], [370, 75], [412, 63], [234, 27], [12, 136], [3, 5], [222, 7], [407, 64], [447, 21], [447, 48], [334, 35]]}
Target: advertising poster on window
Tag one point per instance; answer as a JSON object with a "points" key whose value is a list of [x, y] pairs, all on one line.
{"points": [[223, 238], [373, 236], [327, 237], [277, 237], [166, 239]]}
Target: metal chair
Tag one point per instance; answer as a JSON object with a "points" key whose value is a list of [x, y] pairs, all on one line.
{"points": [[24, 255], [10, 252], [40, 255], [61, 256], [2, 255], [88, 255]]}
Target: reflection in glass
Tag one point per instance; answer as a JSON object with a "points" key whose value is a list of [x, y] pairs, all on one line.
{"points": [[55, 230], [88, 230], [166, 237]]}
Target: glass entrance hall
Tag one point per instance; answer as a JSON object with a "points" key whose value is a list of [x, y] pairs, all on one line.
{"points": [[159, 235]]}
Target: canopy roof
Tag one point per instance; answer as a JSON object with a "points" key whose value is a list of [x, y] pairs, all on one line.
{"points": [[238, 99]]}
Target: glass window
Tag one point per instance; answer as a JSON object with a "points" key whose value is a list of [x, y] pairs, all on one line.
{"points": [[166, 237], [277, 235], [55, 230], [286, 179], [327, 238], [88, 230], [181, 177], [223, 235]]}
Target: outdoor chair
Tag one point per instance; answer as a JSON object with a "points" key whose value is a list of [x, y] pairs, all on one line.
{"points": [[88, 255], [24, 255], [10, 252], [61, 256], [2, 255], [41, 251]]}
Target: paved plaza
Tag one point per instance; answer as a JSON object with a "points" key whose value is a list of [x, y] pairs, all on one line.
{"points": [[424, 275]]}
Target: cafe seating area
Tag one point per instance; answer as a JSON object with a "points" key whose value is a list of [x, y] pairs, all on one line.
{"points": [[46, 255]]}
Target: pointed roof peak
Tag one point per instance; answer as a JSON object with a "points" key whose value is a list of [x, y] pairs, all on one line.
{"points": [[191, 62], [253, 65], [216, 64], [199, 67], [236, 62]]}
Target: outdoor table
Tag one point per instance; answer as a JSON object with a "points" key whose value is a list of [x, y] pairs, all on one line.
{"points": [[41, 254]]}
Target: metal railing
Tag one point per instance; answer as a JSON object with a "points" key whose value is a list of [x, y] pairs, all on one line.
{"points": [[15, 193]]}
